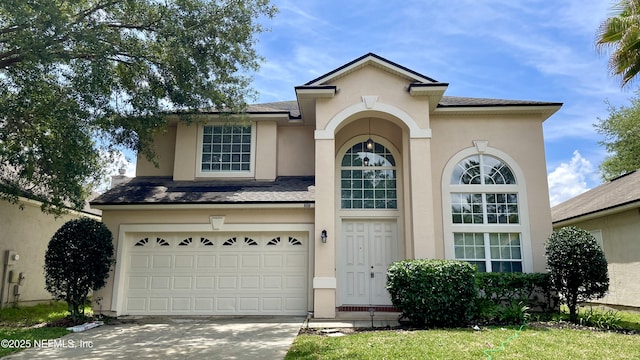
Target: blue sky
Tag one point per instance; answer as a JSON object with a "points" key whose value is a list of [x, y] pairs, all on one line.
{"points": [[512, 49]]}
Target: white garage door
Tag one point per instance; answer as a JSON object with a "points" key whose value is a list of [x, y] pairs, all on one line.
{"points": [[216, 274]]}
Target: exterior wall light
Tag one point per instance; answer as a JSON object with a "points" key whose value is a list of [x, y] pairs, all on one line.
{"points": [[323, 236]]}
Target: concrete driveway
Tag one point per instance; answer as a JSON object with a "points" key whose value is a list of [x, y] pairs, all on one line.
{"points": [[252, 338]]}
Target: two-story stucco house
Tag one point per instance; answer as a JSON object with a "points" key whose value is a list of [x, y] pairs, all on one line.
{"points": [[304, 205]]}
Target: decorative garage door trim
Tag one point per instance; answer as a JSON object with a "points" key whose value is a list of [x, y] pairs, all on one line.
{"points": [[162, 269]]}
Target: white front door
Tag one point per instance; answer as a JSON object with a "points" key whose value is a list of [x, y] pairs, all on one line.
{"points": [[368, 247]]}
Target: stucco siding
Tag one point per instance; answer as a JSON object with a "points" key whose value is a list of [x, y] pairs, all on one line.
{"points": [[27, 231], [621, 241], [296, 153], [164, 146]]}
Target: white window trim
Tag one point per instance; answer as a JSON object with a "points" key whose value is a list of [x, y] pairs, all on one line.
{"points": [[520, 188], [226, 174]]}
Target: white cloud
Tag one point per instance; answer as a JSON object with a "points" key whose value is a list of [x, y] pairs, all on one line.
{"points": [[569, 179]]}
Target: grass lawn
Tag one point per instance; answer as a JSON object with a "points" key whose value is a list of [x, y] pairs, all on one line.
{"points": [[531, 343], [25, 323]]}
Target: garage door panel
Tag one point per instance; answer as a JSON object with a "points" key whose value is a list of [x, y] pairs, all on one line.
{"points": [[203, 304], [251, 261], [161, 261], [228, 261], [295, 282], [293, 304], [159, 304], [137, 304], [184, 261], [250, 282], [227, 282], [183, 282], [273, 261], [139, 261], [272, 282], [205, 282], [226, 304], [138, 282], [206, 261], [254, 274], [272, 304], [296, 260], [160, 282], [249, 304], [181, 304]]}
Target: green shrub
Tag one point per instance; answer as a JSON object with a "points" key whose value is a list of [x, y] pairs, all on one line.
{"points": [[577, 267], [432, 293], [509, 297], [532, 289], [77, 261], [609, 320]]}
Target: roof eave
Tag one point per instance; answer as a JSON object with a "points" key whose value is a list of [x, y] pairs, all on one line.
{"points": [[634, 204], [545, 109], [220, 205]]}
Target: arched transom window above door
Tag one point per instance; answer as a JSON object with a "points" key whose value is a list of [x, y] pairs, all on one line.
{"points": [[368, 178]]}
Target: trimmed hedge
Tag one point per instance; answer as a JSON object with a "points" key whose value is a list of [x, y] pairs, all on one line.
{"points": [[531, 289], [433, 293], [445, 293], [508, 297]]}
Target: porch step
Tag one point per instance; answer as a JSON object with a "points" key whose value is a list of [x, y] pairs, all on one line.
{"points": [[356, 319]]}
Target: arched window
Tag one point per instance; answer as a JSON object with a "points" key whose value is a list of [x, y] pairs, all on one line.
{"points": [[485, 214], [368, 178]]}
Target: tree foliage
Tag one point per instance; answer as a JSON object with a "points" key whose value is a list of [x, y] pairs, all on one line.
{"points": [[621, 32], [577, 266], [78, 260], [621, 132], [81, 76]]}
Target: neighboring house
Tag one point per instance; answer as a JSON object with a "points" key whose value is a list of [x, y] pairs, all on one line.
{"points": [[304, 205], [611, 212], [26, 231]]}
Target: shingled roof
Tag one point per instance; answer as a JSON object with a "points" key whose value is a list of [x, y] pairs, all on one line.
{"points": [[163, 190], [616, 194]]}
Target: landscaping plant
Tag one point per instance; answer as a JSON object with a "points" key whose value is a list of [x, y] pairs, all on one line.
{"points": [[577, 266], [78, 260], [432, 293]]}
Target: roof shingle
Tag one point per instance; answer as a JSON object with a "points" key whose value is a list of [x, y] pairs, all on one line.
{"points": [[618, 192], [163, 190]]}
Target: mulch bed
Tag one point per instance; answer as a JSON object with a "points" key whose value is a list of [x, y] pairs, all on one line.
{"points": [[541, 325]]}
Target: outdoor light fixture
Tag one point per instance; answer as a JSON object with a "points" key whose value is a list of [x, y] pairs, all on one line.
{"points": [[365, 161], [323, 236], [370, 140]]}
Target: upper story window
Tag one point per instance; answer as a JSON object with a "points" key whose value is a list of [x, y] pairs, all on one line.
{"points": [[368, 178], [485, 214], [226, 150]]}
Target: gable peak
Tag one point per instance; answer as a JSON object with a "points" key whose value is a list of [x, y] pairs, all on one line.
{"points": [[373, 60]]}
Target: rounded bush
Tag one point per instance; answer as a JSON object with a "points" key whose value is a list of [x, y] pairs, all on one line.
{"points": [[577, 266], [433, 293], [78, 260]]}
